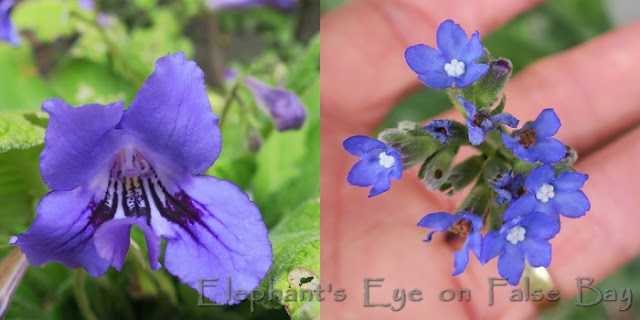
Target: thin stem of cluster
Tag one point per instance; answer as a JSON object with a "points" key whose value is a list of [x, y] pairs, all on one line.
{"points": [[81, 295]]}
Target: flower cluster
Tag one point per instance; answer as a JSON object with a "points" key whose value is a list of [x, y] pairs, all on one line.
{"points": [[524, 180]]}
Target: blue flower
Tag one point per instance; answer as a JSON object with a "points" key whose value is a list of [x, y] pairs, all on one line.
{"points": [[439, 130], [230, 4], [454, 63], [533, 141], [465, 224], [111, 169], [481, 122], [379, 164], [508, 187], [88, 5], [526, 237], [8, 32], [550, 194]]}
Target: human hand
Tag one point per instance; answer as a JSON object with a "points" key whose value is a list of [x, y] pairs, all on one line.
{"points": [[591, 87]]}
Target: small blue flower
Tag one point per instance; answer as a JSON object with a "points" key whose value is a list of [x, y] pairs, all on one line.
{"points": [[465, 224], [550, 194], [481, 122], [439, 130], [379, 164], [526, 237], [8, 32], [509, 188], [88, 5], [454, 63], [533, 141], [231, 4], [111, 169]]}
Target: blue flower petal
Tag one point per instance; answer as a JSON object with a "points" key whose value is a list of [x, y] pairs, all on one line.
{"points": [[71, 156], [538, 176], [506, 118], [226, 238], [472, 50], [283, 106], [474, 242], [476, 134], [111, 240], [492, 245], [546, 124], [436, 80], [450, 38], [63, 232], [537, 251], [570, 181], [396, 171], [509, 142], [511, 264], [423, 59], [473, 72], [364, 173], [476, 221], [524, 205], [541, 225], [360, 146], [571, 204], [8, 31], [460, 261], [438, 221], [172, 115], [468, 107], [547, 151], [382, 184]]}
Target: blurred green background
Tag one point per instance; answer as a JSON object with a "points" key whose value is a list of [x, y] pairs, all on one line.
{"points": [[551, 27], [104, 55]]}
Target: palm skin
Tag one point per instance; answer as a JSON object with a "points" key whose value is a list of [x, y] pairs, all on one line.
{"points": [[594, 90]]}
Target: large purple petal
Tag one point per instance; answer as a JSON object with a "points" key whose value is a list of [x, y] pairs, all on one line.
{"points": [[8, 32], [473, 72], [570, 181], [222, 237], [284, 107], [546, 124], [571, 204], [511, 264], [537, 251], [547, 151], [538, 176], [63, 232], [361, 145], [172, 114], [111, 240], [451, 38], [423, 59], [74, 148]]}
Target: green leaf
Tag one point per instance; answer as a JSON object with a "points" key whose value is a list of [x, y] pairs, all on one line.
{"points": [[307, 68], [463, 174], [82, 82], [47, 19], [16, 132], [21, 88], [296, 249]]}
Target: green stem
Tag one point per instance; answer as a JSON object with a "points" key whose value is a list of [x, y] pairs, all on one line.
{"points": [[227, 102], [81, 296]]}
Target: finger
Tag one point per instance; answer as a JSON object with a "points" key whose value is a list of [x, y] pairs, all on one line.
{"points": [[363, 44], [607, 236]]}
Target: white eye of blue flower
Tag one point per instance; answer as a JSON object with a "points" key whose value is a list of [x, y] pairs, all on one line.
{"points": [[455, 68], [516, 234], [545, 192], [386, 160]]}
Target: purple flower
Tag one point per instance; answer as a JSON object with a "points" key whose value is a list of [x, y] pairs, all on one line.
{"points": [[550, 194], [379, 164], [481, 122], [508, 187], [229, 4], [525, 237], [88, 5], [284, 107], [454, 63], [465, 224], [533, 141], [111, 169], [439, 130], [8, 32]]}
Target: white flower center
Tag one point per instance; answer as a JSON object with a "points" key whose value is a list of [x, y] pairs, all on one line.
{"points": [[516, 234], [455, 68], [545, 192], [386, 160]]}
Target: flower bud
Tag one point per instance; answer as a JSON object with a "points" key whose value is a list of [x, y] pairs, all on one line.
{"points": [[463, 174], [435, 170], [413, 143]]}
